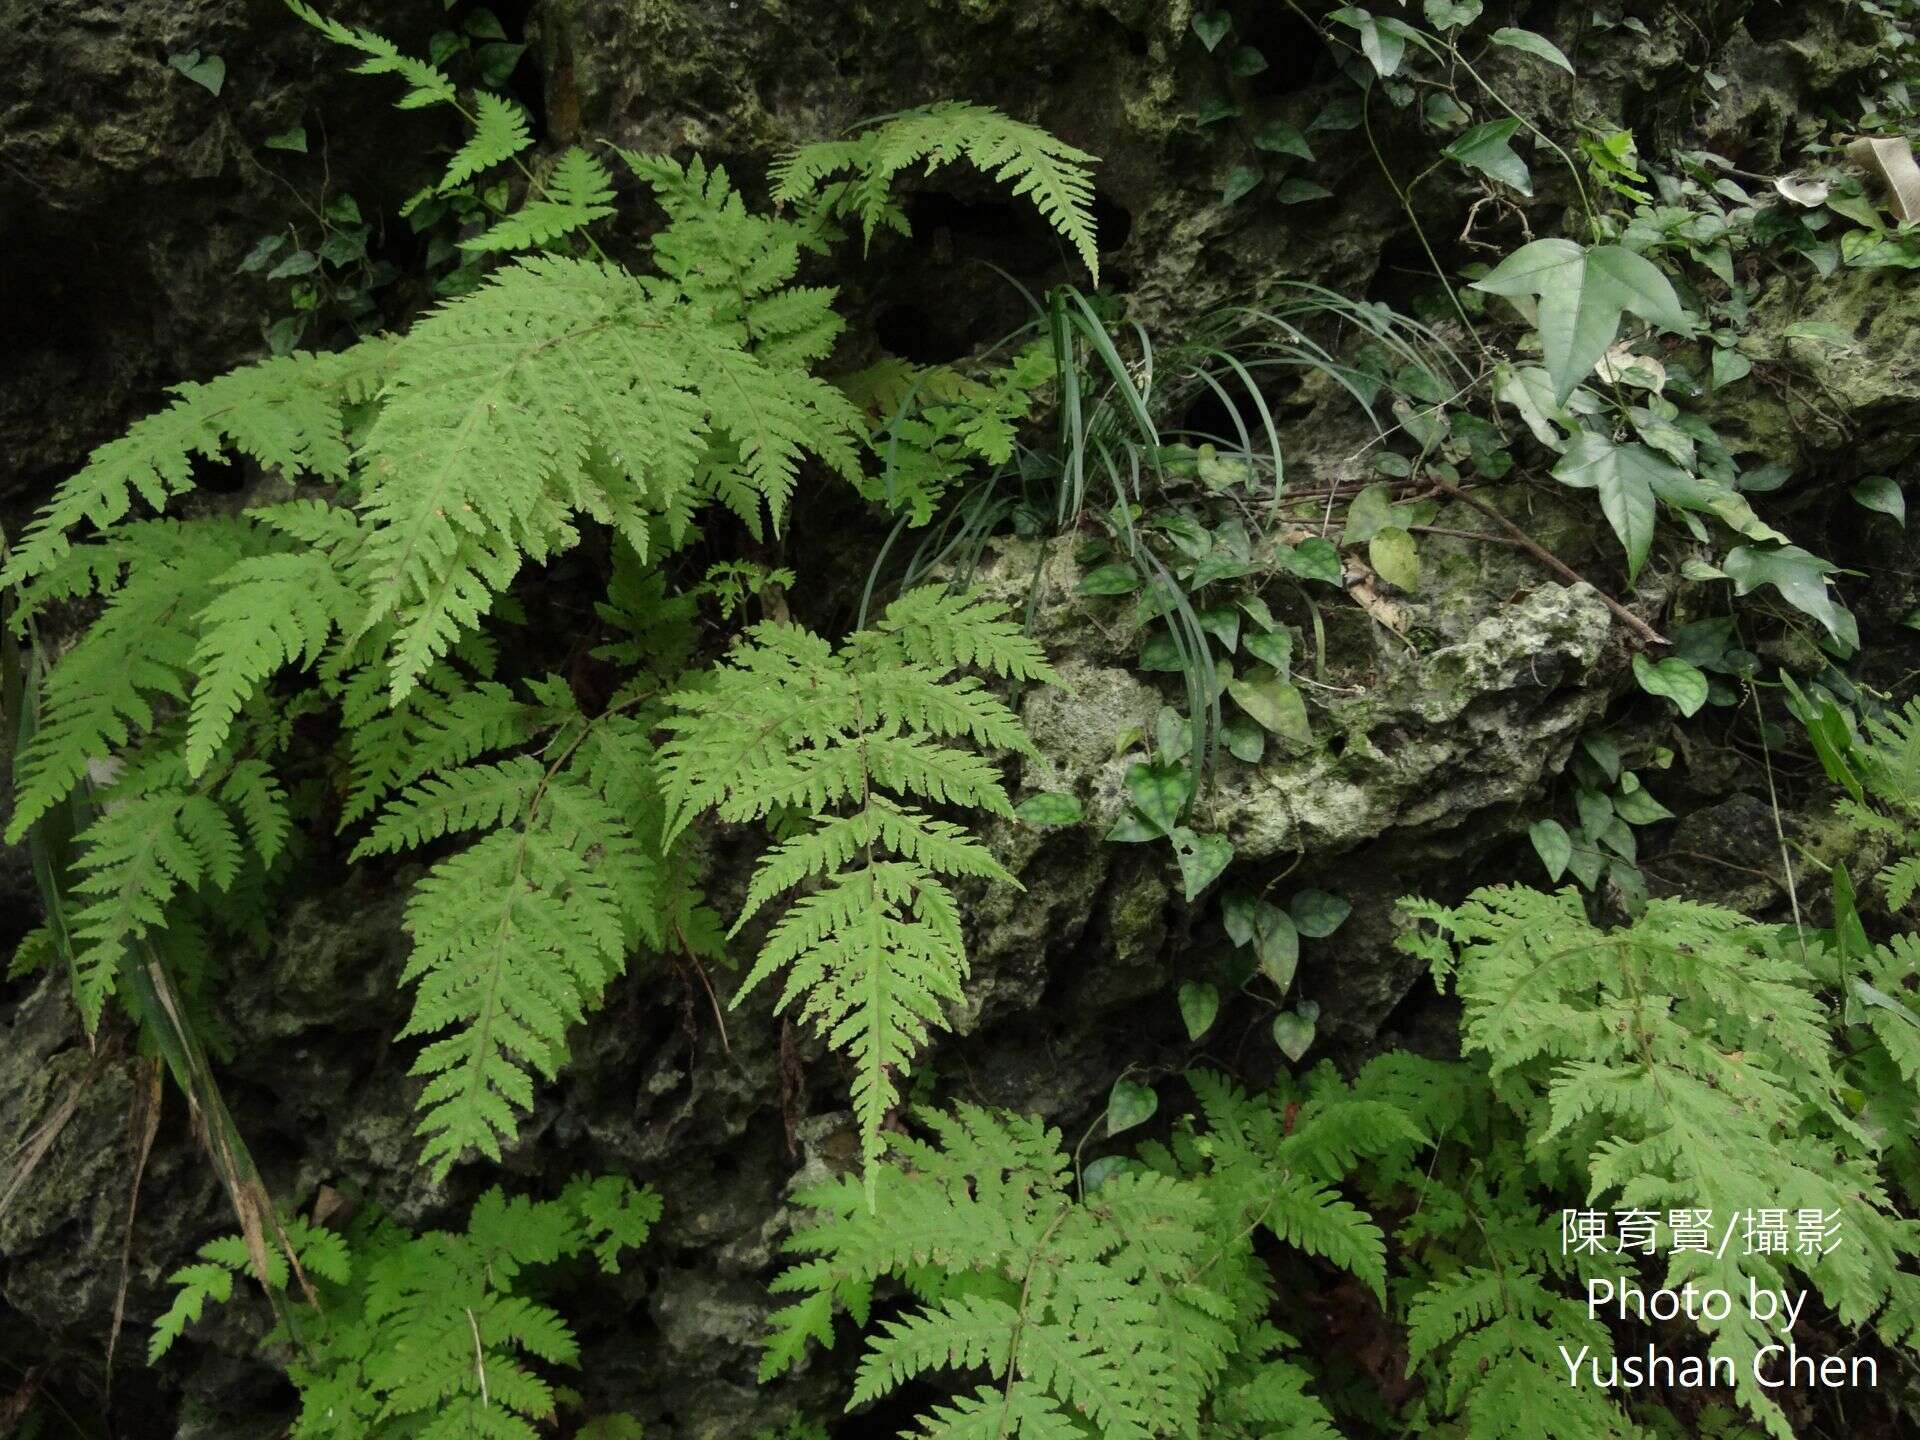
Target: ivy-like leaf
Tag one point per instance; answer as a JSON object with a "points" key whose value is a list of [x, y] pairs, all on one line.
{"points": [[1582, 294]]}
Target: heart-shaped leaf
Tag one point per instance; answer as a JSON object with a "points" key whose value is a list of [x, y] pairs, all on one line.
{"points": [[1882, 493], [1275, 704], [1674, 678], [1160, 792], [1489, 149], [1245, 740], [1241, 182], [1452, 14], [1276, 944], [1238, 909], [1316, 914], [208, 72], [1199, 1004], [1274, 647], [1553, 845], [1297, 191], [1293, 1033], [1211, 26], [1637, 807], [1368, 513], [1281, 138], [1313, 559], [1395, 558], [1129, 1105], [1247, 61], [1201, 857], [1110, 579]]}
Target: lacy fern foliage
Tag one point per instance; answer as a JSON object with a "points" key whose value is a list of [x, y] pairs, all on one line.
{"points": [[428, 1335], [1034, 164], [1682, 1063], [854, 741]]}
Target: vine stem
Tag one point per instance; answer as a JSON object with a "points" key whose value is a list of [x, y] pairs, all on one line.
{"points": [[1553, 562]]}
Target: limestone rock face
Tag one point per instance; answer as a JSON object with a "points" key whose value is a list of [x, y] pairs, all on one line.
{"points": [[130, 196]]}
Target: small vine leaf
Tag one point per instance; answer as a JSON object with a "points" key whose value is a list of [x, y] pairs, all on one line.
{"points": [[1553, 845], [1368, 513], [1882, 493], [1383, 42], [1160, 792], [1637, 807], [1452, 14], [1050, 810], [294, 139], [1275, 703], [1313, 559], [1113, 578], [1625, 476], [1242, 180], [1583, 293], [1293, 1033], [1282, 139], [1199, 1004], [1212, 27], [1245, 740], [1488, 148], [1202, 859], [1730, 367], [1247, 62], [1801, 580], [1099, 1171], [1276, 944], [1316, 914], [1129, 1105], [1274, 647], [1295, 190], [1534, 44], [1596, 812], [1395, 558], [300, 262], [1237, 912], [1673, 678], [209, 72]]}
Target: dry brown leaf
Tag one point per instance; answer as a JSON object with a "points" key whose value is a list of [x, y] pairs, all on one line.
{"points": [[1807, 191], [1891, 161]]}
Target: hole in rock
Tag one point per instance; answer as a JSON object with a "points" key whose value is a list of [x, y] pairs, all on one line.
{"points": [[1293, 48], [1112, 222], [912, 334]]}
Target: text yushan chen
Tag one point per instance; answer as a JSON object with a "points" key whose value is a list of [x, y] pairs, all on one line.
{"points": [[1775, 1366]]}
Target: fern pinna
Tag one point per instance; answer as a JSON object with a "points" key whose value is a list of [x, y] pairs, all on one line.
{"points": [[846, 740], [411, 481]]}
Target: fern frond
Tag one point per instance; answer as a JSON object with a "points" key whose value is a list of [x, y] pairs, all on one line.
{"points": [[965, 1332], [1034, 164], [499, 133], [267, 611], [283, 413], [576, 194], [426, 84]]}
